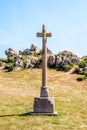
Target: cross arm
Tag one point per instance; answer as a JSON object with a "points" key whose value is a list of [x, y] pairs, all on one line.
{"points": [[44, 34]]}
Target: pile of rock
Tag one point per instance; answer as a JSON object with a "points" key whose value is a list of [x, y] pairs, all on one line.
{"points": [[33, 49], [28, 51], [63, 61], [10, 52]]}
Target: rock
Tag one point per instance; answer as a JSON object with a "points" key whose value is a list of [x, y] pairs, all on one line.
{"points": [[27, 52], [37, 49], [66, 61], [32, 48], [51, 60], [63, 61], [58, 61], [18, 63], [80, 71], [28, 63], [49, 51], [85, 69], [75, 59], [11, 52], [38, 64], [20, 52], [1, 63], [32, 62]]}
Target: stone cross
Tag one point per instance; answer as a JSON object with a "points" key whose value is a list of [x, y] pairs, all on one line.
{"points": [[44, 105], [44, 35]]}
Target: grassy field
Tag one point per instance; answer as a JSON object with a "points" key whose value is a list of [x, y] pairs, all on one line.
{"points": [[17, 92]]}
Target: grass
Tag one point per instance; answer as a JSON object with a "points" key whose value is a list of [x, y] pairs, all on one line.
{"points": [[17, 92]]}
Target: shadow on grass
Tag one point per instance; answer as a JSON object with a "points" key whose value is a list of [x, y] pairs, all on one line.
{"points": [[10, 115]]}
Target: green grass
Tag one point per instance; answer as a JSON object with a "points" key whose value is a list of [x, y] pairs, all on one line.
{"points": [[17, 92]]}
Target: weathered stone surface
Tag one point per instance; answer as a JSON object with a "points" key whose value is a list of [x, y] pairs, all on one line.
{"points": [[65, 60], [10, 52], [1, 63], [35, 48], [28, 63], [32, 48], [38, 64], [27, 52], [85, 69], [75, 59], [44, 105], [18, 63], [51, 60], [49, 51]]}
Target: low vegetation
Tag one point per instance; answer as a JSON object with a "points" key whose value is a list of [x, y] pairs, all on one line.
{"points": [[17, 92]]}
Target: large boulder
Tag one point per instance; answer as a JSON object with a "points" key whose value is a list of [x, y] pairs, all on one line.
{"points": [[35, 48], [28, 63], [49, 51], [18, 63], [10, 52], [75, 59], [27, 52], [65, 60], [51, 61]]}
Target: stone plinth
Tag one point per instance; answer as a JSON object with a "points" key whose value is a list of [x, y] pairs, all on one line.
{"points": [[44, 92], [44, 106]]}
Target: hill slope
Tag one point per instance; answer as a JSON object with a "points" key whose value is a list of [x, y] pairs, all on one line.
{"points": [[17, 92]]}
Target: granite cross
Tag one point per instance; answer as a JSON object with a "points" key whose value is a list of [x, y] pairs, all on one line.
{"points": [[44, 35], [44, 105]]}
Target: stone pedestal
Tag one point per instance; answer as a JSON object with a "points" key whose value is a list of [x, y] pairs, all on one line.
{"points": [[44, 92], [44, 106]]}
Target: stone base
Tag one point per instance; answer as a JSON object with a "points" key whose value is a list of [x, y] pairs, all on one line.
{"points": [[44, 114], [44, 92], [44, 106]]}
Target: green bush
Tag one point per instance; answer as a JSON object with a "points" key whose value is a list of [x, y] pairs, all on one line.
{"points": [[76, 70], [85, 73], [40, 58], [84, 59], [68, 67], [10, 59], [81, 78], [9, 67], [3, 60], [24, 58], [82, 64]]}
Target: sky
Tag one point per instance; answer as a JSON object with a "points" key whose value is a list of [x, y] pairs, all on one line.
{"points": [[20, 20]]}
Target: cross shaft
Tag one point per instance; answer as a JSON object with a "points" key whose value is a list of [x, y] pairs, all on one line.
{"points": [[44, 36]]}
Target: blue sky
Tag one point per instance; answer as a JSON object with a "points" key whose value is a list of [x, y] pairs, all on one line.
{"points": [[20, 20]]}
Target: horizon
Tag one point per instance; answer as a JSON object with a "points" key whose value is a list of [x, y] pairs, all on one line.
{"points": [[66, 20]]}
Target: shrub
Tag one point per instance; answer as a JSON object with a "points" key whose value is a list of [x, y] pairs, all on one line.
{"points": [[9, 67], [40, 58], [3, 60], [76, 70], [85, 73], [24, 58], [81, 78], [68, 67], [82, 64], [10, 59]]}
